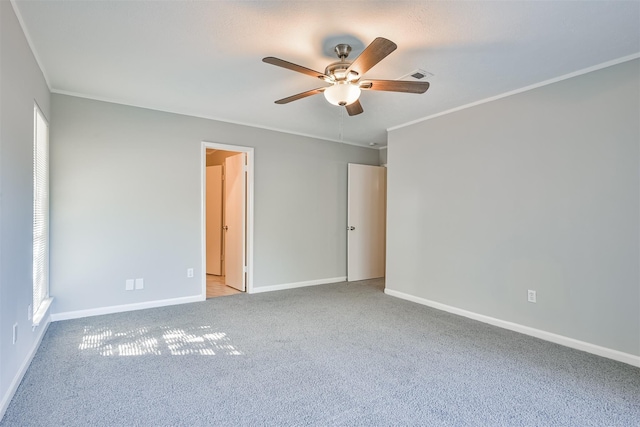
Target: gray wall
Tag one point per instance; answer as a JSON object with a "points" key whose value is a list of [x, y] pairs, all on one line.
{"points": [[21, 83], [125, 194], [383, 156], [539, 191]]}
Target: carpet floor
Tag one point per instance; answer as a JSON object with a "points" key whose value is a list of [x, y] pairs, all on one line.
{"points": [[335, 354]]}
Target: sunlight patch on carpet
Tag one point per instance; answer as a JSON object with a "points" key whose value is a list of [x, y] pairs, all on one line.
{"points": [[202, 340]]}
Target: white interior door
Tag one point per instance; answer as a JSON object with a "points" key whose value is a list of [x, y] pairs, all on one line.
{"points": [[234, 216], [214, 220], [366, 222]]}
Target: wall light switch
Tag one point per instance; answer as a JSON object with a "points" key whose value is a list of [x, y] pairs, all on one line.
{"points": [[139, 283], [129, 285]]}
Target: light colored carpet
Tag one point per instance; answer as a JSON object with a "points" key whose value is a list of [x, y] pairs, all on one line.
{"points": [[338, 354]]}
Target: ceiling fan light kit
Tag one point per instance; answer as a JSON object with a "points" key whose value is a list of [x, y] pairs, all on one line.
{"points": [[344, 76], [342, 93]]}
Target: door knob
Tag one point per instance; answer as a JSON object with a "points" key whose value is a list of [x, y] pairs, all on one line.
{"points": [[225, 228], [351, 228]]}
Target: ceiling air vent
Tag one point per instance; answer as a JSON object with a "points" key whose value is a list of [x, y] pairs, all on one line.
{"points": [[417, 75]]}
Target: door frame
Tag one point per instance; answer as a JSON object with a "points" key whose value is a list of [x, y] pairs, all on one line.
{"points": [[248, 210]]}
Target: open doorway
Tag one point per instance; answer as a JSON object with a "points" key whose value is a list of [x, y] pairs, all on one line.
{"points": [[227, 211]]}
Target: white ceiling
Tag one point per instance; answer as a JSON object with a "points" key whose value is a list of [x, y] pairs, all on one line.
{"points": [[203, 58]]}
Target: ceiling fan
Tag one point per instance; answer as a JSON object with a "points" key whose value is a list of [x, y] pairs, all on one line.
{"points": [[345, 76]]}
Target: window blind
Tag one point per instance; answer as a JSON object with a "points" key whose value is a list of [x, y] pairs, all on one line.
{"points": [[41, 300]]}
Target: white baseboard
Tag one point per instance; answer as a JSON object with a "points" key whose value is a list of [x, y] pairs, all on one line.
{"points": [[17, 379], [547, 336], [258, 289], [122, 308]]}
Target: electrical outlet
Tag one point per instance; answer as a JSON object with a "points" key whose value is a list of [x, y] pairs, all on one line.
{"points": [[531, 295], [139, 283], [29, 312], [15, 333], [189, 272]]}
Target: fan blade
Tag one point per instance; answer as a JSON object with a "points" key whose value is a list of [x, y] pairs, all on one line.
{"points": [[374, 53], [294, 67], [354, 108], [395, 86], [300, 95]]}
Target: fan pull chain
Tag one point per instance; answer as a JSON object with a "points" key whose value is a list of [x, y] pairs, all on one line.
{"points": [[341, 129]]}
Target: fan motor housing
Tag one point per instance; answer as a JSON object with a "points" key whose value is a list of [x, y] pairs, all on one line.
{"points": [[338, 70]]}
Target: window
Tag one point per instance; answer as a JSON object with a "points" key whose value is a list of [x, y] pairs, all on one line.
{"points": [[41, 300]]}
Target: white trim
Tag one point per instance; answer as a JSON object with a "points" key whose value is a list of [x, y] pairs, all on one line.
{"points": [[523, 89], [249, 209], [543, 335], [40, 314], [17, 379], [284, 286], [55, 317], [218, 119], [203, 225]]}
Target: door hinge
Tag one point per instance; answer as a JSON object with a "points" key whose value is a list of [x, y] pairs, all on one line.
{"points": [[244, 269]]}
